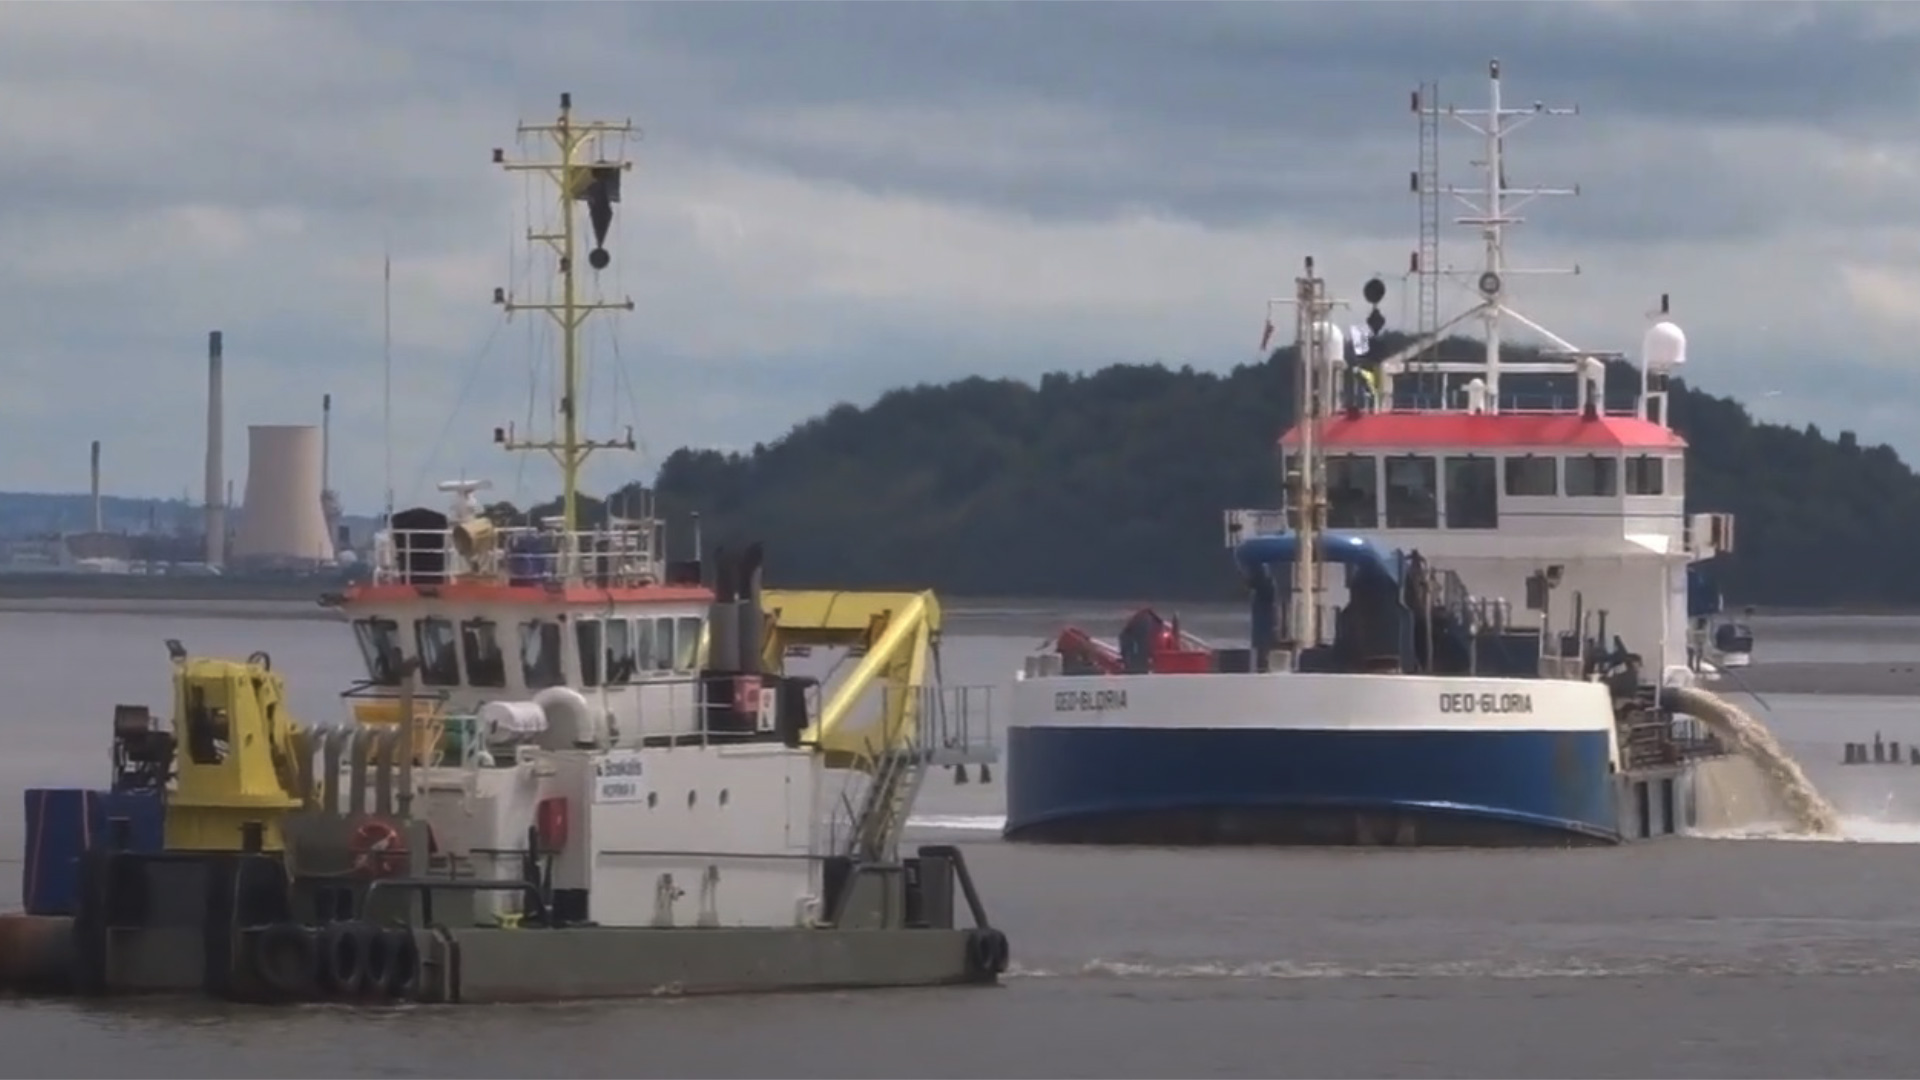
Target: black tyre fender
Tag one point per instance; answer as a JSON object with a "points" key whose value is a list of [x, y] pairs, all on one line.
{"points": [[377, 968], [403, 962], [284, 960], [987, 952], [344, 955]]}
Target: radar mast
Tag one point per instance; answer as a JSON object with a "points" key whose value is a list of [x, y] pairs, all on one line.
{"points": [[595, 185]]}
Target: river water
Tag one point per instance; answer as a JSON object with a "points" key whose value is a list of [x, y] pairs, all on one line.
{"points": [[1733, 957]]}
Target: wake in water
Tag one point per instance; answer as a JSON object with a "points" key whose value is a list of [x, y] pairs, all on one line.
{"points": [[1812, 813], [1850, 830]]}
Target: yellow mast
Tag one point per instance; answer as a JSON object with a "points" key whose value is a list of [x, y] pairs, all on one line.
{"points": [[597, 184]]}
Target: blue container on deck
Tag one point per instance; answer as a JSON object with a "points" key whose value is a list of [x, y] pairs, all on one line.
{"points": [[63, 822]]}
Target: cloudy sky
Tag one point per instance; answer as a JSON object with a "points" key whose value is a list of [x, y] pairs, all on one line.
{"points": [[831, 200]]}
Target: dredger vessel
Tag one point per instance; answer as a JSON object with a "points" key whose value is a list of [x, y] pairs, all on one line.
{"points": [[1481, 616], [576, 768]]}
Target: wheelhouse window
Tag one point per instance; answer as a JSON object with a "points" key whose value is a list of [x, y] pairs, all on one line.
{"points": [[540, 654], [620, 663], [439, 651], [1646, 475], [380, 648], [1532, 476], [1412, 498], [480, 648], [1593, 476], [1353, 491], [1473, 497], [588, 633], [643, 647], [662, 645], [686, 655]]}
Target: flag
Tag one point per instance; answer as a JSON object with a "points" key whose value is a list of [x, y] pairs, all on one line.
{"points": [[1266, 336]]}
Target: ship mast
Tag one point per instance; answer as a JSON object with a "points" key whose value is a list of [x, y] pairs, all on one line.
{"points": [[1319, 349], [1492, 208], [597, 185]]}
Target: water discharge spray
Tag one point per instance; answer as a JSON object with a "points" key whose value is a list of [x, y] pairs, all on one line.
{"points": [[1811, 811]]}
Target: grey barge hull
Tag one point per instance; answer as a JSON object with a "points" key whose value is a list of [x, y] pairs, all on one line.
{"points": [[232, 926]]}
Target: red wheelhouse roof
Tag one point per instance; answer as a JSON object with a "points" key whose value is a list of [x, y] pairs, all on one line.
{"points": [[1482, 431]]}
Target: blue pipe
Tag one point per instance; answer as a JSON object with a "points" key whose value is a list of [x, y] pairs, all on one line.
{"points": [[1256, 553]]}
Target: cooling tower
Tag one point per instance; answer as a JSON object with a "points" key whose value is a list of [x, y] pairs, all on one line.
{"points": [[281, 519]]}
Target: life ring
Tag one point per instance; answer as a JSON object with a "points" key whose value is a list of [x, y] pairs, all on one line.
{"points": [[284, 958], [379, 849], [344, 949]]}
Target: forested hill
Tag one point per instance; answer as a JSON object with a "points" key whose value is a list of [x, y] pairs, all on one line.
{"points": [[1111, 485]]}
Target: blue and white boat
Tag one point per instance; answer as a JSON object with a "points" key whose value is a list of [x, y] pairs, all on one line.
{"points": [[1478, 619]]}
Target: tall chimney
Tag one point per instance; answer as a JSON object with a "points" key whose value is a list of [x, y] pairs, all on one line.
{"points": [[99, 520], [326, 443], [216, 483]]}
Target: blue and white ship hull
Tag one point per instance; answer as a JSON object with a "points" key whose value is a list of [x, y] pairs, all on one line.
{"points": [[1317, 759]]}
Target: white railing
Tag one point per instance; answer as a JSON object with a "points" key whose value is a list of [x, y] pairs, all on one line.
{"points": [[624, 555]]}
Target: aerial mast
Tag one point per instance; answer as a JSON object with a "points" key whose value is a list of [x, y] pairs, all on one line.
{"points": [[1492, 208], [1320, 349], [595, 183]]}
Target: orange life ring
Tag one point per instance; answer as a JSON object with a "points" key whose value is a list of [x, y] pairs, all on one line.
{"points": [[379, 849]]}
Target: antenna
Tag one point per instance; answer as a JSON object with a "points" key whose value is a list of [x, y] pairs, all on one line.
{"points": [[597, 184], [1492, 208], [386, 362]]}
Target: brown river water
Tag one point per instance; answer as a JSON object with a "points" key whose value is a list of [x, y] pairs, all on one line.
{"points": [[1705, 957]]}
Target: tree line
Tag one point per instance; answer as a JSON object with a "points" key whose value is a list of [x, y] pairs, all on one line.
{"points": [[1110, 485]]}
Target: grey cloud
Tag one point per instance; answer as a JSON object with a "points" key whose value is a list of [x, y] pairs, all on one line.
{"points": [[1232, 113]]}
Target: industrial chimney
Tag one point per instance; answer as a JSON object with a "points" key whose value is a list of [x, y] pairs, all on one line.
{"points": [[99, 520], [326, 442], [216, 483]]}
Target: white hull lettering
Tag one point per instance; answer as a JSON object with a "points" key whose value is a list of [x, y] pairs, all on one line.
{"points": [[1089, 700], [1495, 704]]}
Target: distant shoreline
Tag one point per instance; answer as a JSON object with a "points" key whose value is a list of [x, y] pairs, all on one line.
{"points": [[293, 603]]}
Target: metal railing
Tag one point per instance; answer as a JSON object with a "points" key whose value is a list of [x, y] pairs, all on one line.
{"points": [[627, 554], [951, 727]]}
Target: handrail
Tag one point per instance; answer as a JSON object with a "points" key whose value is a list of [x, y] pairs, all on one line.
{"points": [[622, 554]]}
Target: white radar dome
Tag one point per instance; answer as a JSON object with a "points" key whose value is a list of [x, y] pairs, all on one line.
{"points": [[1664, 347]]}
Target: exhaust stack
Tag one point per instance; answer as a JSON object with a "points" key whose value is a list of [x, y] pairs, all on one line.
{"points": [[216, 482], [99, 519]]}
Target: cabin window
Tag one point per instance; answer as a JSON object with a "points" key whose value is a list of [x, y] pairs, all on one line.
{"points": [[1593, 476], [1533, 476], [588, 633], [662, 645], [380, 648], [1412, 502], [687, 637], [540, 654], [439, 652], [1646, 475], [642, 646], [1353, 491], [480, 648], [620, 665], [1473, 497]]}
